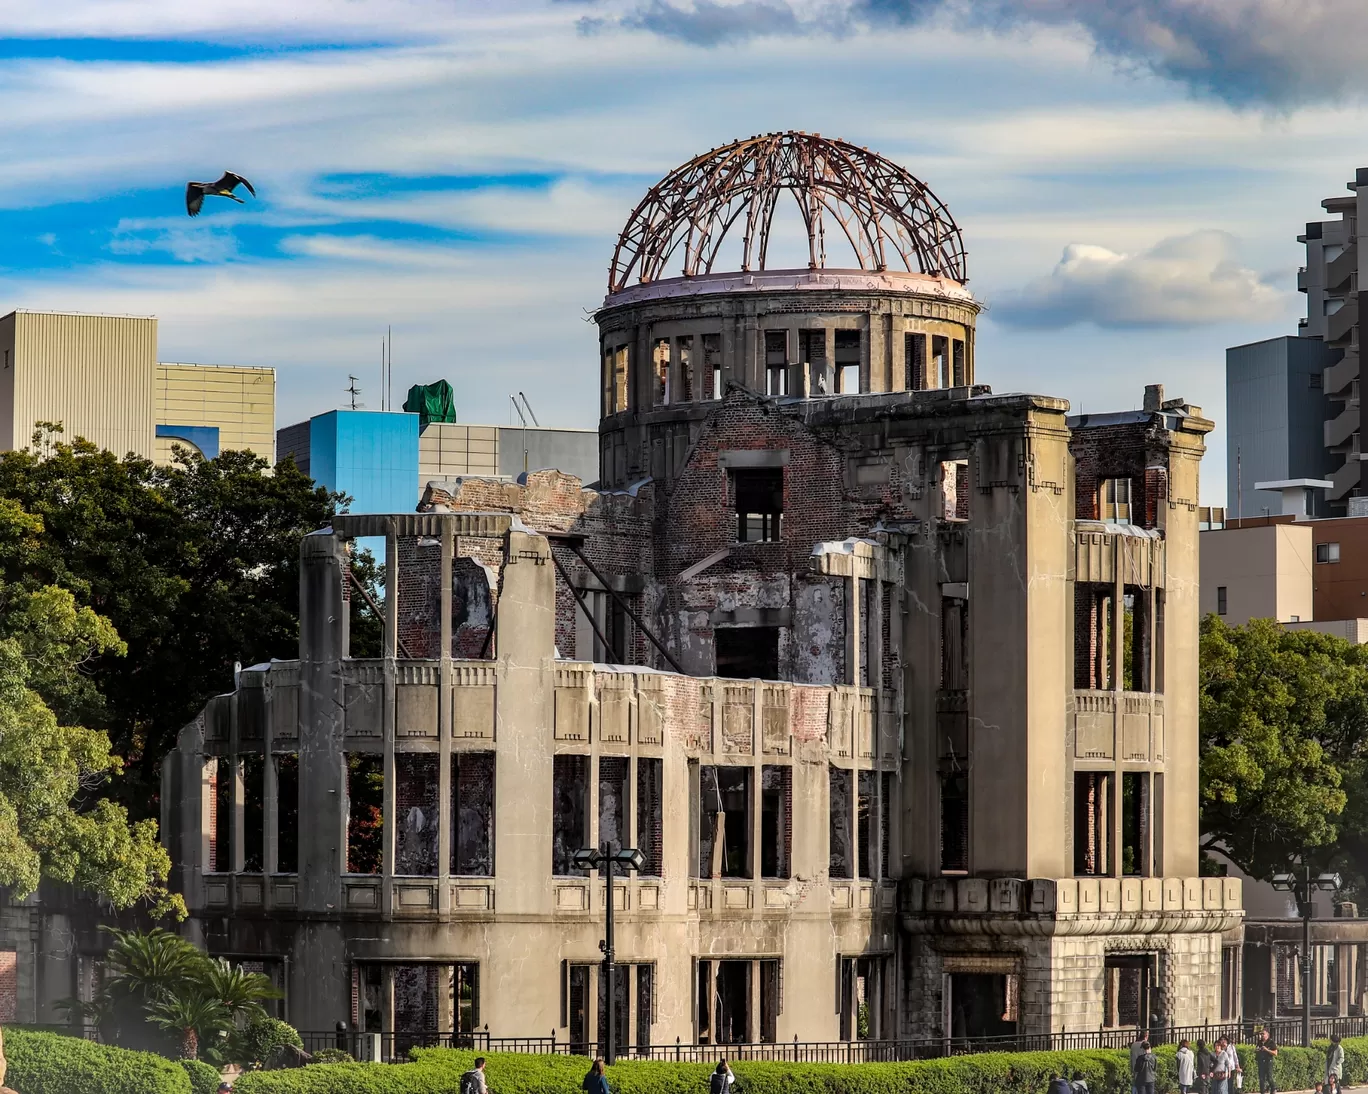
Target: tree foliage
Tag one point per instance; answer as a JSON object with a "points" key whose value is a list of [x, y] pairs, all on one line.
{"points": [[1284, 716]]}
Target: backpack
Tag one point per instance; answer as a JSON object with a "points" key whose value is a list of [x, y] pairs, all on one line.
{"points": [[469, 1083], [718, 1083]]}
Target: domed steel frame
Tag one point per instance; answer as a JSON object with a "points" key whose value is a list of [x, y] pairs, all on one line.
{"points": [[886, 213]]}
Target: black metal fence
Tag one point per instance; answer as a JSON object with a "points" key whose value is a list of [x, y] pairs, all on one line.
{"points": [[395, 1046]]}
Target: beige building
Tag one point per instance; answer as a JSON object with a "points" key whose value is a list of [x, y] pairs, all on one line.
{"points": [[1257, 569], [98, 377]]}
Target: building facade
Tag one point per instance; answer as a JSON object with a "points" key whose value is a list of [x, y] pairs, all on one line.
{"points": [[892, 681]]}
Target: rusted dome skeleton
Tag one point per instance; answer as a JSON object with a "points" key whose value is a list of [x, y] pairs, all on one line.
{"points": [[888, 216]]}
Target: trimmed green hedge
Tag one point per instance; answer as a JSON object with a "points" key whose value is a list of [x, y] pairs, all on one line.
{"points": [[204, 1078], [48, 1063], [1107, 1071]]}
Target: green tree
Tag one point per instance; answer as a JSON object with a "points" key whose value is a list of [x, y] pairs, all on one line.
{"points": [[1283, 715], [195, 566]]}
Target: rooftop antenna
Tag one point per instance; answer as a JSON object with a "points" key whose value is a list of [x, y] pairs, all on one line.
{"points": [[389, 372], [382, 375], [354, 391], [529, 409], [522, 418]]}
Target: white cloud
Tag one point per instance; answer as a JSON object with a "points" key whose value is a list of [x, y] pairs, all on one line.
{"points": [[1182, 281]]}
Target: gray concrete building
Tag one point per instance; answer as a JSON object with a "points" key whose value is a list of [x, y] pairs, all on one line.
{"points": [[892, 681]]}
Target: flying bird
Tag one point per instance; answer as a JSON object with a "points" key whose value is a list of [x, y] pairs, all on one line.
{"points": [[195, 192]]}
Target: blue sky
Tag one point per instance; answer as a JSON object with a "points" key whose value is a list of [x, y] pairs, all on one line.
{"points": [[1130, 175]]}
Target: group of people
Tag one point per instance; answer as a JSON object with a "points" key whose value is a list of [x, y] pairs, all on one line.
{"points": [[596, 1082], [1214, 1070]]}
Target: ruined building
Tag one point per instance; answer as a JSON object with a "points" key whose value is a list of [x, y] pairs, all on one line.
{"points": [[891, 680]]}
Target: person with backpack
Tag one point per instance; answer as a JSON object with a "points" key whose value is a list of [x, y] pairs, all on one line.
{"points": [[473, 1081], [1146, 1071], [722, 1079], [596, 1082], [1079, 1084]]}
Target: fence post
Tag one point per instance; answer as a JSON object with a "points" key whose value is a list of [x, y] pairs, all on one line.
{"points": [[677, 1049]]}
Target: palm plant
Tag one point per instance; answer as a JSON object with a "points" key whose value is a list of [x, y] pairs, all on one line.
{"points": [[193, 1017], [240, 992], [149, 967]]}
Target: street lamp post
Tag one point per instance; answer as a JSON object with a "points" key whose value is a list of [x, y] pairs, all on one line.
{"points": [[1303, 889], [590, 858]]}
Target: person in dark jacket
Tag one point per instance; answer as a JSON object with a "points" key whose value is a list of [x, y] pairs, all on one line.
{"points": [[596, 1082], [1146, 1071], [1059, 1084], [1206, 1061]]}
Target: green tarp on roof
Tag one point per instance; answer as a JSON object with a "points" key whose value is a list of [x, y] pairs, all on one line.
{"points": [[432, 403]]}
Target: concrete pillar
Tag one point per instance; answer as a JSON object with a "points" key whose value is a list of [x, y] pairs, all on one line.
{"points": [[445, 835], [392, 578], [1117, 638], [753, 1015], [1344, 962]]}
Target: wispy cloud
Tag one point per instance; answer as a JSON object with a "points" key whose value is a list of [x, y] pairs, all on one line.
{"points": [[1183, 281]]}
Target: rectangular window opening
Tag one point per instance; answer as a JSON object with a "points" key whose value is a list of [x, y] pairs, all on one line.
{"points": [[365, 812], [758, 496], [712, 366], [1221, 602], [220, 772], [684, 348], [1114, 501], [1092, 827], [1094, 669], [472, 807], [660, 372], [940, 360], [746, 653], [613, 795], [954, 823], [569, 812], [415, 814], [645, 1004], [886, 826], [954, 672], [866, 814], [287, 812], [1136, 639], [776, 820], [732, 996], [914, 362], [581, 1037], [776, 362], [725, 821], [253, 812], [841, 855], [1327, 552], [957, 362], [620, 378], [848, 361], [1135, 823], [649, 814], [771, 1002], [869, 608], [812, 351], [1128, 990]]}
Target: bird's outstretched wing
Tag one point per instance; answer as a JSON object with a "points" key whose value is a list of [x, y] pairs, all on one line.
{"points": [[194, 198], [231, 180]]}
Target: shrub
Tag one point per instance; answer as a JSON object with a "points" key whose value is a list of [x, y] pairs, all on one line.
{"points": [[333, 1056], [204, 1078], [48, 1063], [259, 1042]]}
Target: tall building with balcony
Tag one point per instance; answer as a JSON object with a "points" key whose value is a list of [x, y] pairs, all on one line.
{"points": [[891, 679]]}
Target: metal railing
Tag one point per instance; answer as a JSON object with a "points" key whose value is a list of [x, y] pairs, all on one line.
{"points": [[394, 1047]]}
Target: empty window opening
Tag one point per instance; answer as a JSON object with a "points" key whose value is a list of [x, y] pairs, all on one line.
{"points": [[812, 351], [914, 362], [885, 826], [253, 812], [954, 823], [863, 998], [940, 360], [369, 1014], [776, 820], [649, 814], [622, 986], [418, 991], [712, 366], [1114, 501], [1092, 827], [660, 372], [866, 817], [954, 672], [848, 362], [1327, 552], [954, 484], [758, 495], [221, 780], [465, 998], [888, 667], [776, 362], [1093, 623], [415, 814], [746, 653], [645, 1004], [620, 378], [1128, 990], [1157, 656], [287, 812], [684, 348], [725, 821], [1136, 639], [1220, 600], [569, 809], [957, 362], [612, 803], [732, 997], [577, 993], [365, 812], [1135, 823], [841, 855], [472, 810], [869, 655], [771, 999], [983, 1004], [472, 609]]}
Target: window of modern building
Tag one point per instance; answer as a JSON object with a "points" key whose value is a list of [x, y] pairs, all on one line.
{"points": [[1114, 501], [1327, 552], [758, 496], [1220, 600]]}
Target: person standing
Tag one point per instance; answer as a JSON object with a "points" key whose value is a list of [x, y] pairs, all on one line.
{"points": [[1206, 1063], [1220, 1077], [1187, 1068], [1334, 1065], [1146, 1071], [596, 1082], [722, 1079], [1265, 1052], [473, 1081], [1059, 1085], [1137, 1050]]}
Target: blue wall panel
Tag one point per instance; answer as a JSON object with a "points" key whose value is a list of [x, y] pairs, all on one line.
{"points": [[370, 456]]}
